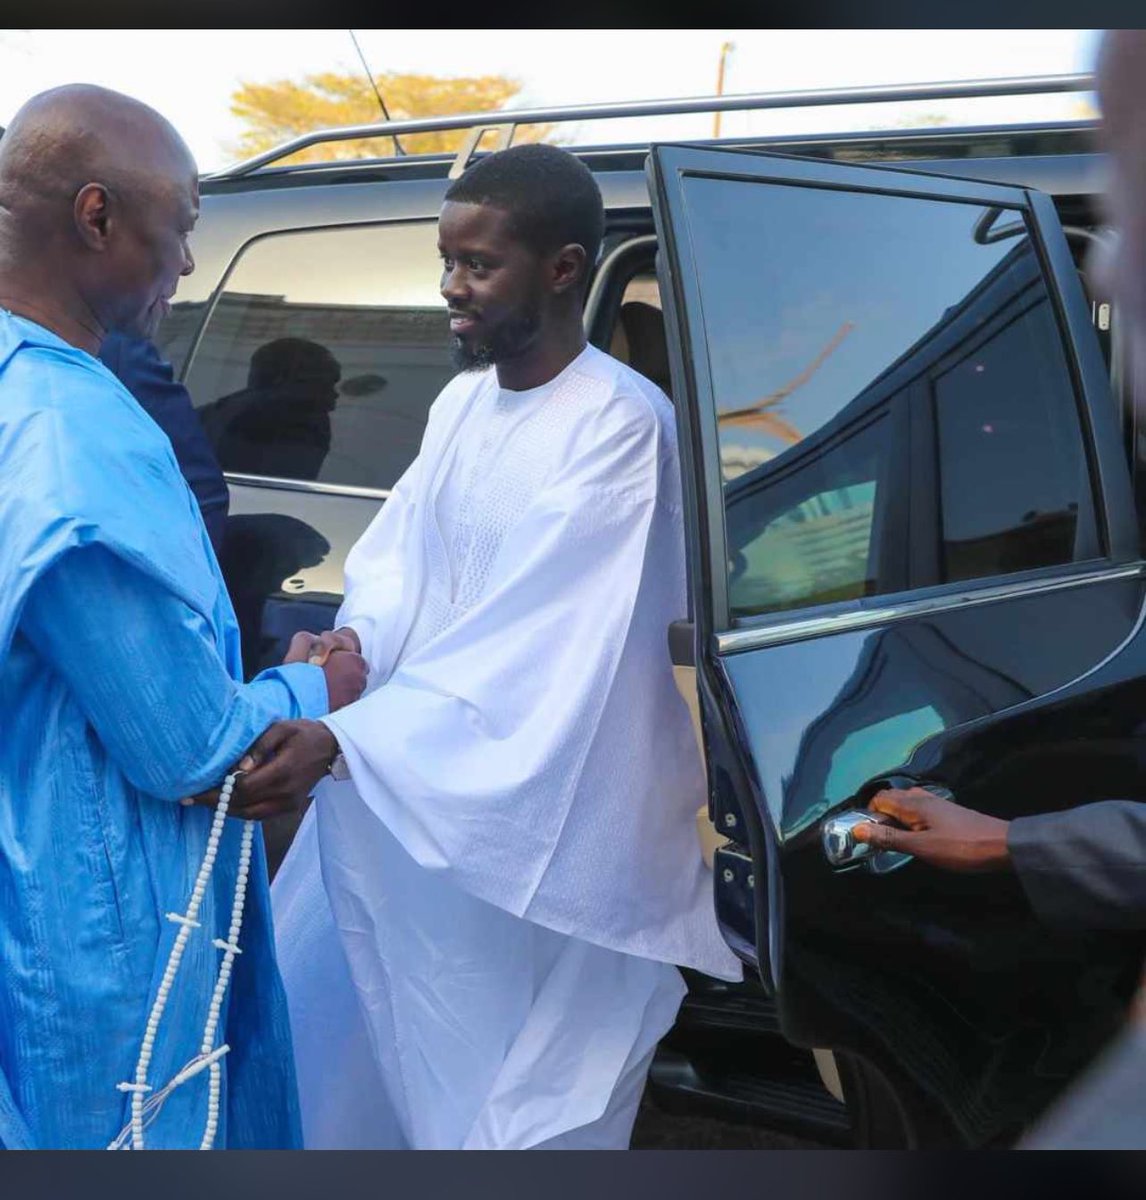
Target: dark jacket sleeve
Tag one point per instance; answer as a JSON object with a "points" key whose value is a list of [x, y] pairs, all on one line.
{"points": [[139, 367], [1085, 867]]}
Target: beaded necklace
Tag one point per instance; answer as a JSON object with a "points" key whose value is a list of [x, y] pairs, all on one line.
{"points": [[145, 1100]]}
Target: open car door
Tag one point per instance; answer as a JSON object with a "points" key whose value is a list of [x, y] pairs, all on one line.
{"points": [[913, 556]]}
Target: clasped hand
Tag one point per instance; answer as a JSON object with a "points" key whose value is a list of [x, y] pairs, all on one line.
{"points": [[283, 766]]}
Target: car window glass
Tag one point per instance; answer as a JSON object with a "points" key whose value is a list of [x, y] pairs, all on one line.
{"points": [[1011, 457], [810, 540], [323, 354], [826, 313]]}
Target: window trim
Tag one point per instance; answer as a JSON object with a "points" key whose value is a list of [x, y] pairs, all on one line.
{"points": [[825, 620], [609, 282], [316, 487]]}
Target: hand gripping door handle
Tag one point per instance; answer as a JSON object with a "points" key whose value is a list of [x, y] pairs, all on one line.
{"points": [[842, 850]]}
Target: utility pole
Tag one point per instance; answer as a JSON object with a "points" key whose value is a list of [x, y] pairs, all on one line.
{"points": [[725, 50]]}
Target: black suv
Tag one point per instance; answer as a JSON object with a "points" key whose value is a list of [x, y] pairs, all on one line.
{"points": [[914, 548]]}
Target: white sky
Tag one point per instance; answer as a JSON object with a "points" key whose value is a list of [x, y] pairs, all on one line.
{"points": [[189, 75]]}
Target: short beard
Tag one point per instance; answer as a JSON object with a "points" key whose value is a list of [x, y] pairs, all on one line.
{"points": [[507, 341], [470, 358]]}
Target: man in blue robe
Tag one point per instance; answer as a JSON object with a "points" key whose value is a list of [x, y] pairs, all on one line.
{"points": [[119, 668]]}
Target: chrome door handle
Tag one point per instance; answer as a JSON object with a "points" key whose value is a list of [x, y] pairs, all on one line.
{"points": [[844, 852]]}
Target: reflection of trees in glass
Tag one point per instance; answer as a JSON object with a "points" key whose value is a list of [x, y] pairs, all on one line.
{"points": [[276, 112], [764, 416]]}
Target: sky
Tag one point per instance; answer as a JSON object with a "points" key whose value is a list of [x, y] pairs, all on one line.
{"points": [[190, 75]]}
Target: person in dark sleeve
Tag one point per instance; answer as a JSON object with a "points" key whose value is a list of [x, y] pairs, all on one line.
{"points": [[139, 367]]}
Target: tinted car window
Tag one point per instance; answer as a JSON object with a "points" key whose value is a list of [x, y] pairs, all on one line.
{"points": [[323, 354], [807, 538], [1011, 460], [846, 333]]}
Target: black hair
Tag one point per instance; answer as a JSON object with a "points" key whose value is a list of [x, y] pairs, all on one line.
{"points": [[550, 195]]}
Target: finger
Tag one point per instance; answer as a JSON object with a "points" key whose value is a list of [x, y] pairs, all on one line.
{"points": [[270, 782], [284, 798], [323, 647], [206, 799], [906, 806], [265, 811], [328, 643], [300, 646], [884, 837], [268, 743], [350, 637]]}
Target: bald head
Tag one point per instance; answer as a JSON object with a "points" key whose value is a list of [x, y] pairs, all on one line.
{"points": [[70, 136], [98, 193]]}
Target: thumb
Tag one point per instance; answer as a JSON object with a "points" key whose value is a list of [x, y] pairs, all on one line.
{"points": [[884, 837]]}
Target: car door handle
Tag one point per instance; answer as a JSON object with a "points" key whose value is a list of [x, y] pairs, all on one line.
{"points": [[840, 846], [844, 852]]}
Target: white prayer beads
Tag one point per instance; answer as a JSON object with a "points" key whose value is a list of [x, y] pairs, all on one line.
{"points": [[144, 1106]]}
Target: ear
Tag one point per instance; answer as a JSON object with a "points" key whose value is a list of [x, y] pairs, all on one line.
{"points": [[91, 212], [569, 265]]}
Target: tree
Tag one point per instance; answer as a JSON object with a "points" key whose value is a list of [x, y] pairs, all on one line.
{"points": [[276, 112]]}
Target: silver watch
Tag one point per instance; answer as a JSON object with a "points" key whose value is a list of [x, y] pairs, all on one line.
{"points": [[338, 769]]}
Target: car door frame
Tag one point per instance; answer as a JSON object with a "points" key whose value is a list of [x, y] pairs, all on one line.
{"points": [[751, 916]]}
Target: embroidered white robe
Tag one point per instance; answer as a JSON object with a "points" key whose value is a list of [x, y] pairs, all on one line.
{"points": [[514, 868]]}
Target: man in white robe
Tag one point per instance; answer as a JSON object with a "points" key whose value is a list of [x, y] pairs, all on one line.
{"points": [[478, 925]]}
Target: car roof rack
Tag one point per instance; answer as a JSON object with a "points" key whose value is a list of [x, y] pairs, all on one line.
{"points": [[506, 121]]}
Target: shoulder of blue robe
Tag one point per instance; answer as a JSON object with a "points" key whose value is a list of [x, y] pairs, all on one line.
{"points": [[81, 464]]}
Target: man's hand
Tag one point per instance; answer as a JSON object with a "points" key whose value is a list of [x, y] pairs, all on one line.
{"points": [[339, 653], [282, 768], [316, 648], [345, 678], [941, 833]]}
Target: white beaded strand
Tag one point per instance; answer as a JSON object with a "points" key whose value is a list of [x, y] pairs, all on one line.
{"points": [[145, 1102], [230, 948]]}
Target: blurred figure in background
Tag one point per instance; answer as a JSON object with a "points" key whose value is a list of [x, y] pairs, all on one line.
{"points": [[149, 378]]}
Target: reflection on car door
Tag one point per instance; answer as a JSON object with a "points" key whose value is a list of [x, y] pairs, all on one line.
{"points": [[913, 553]]}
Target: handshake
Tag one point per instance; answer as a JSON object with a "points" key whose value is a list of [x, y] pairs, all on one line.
{"points": [[282, 768], [339, 654]]}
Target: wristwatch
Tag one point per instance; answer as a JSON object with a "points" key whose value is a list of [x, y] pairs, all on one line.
{"points": [[338, 770]]}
